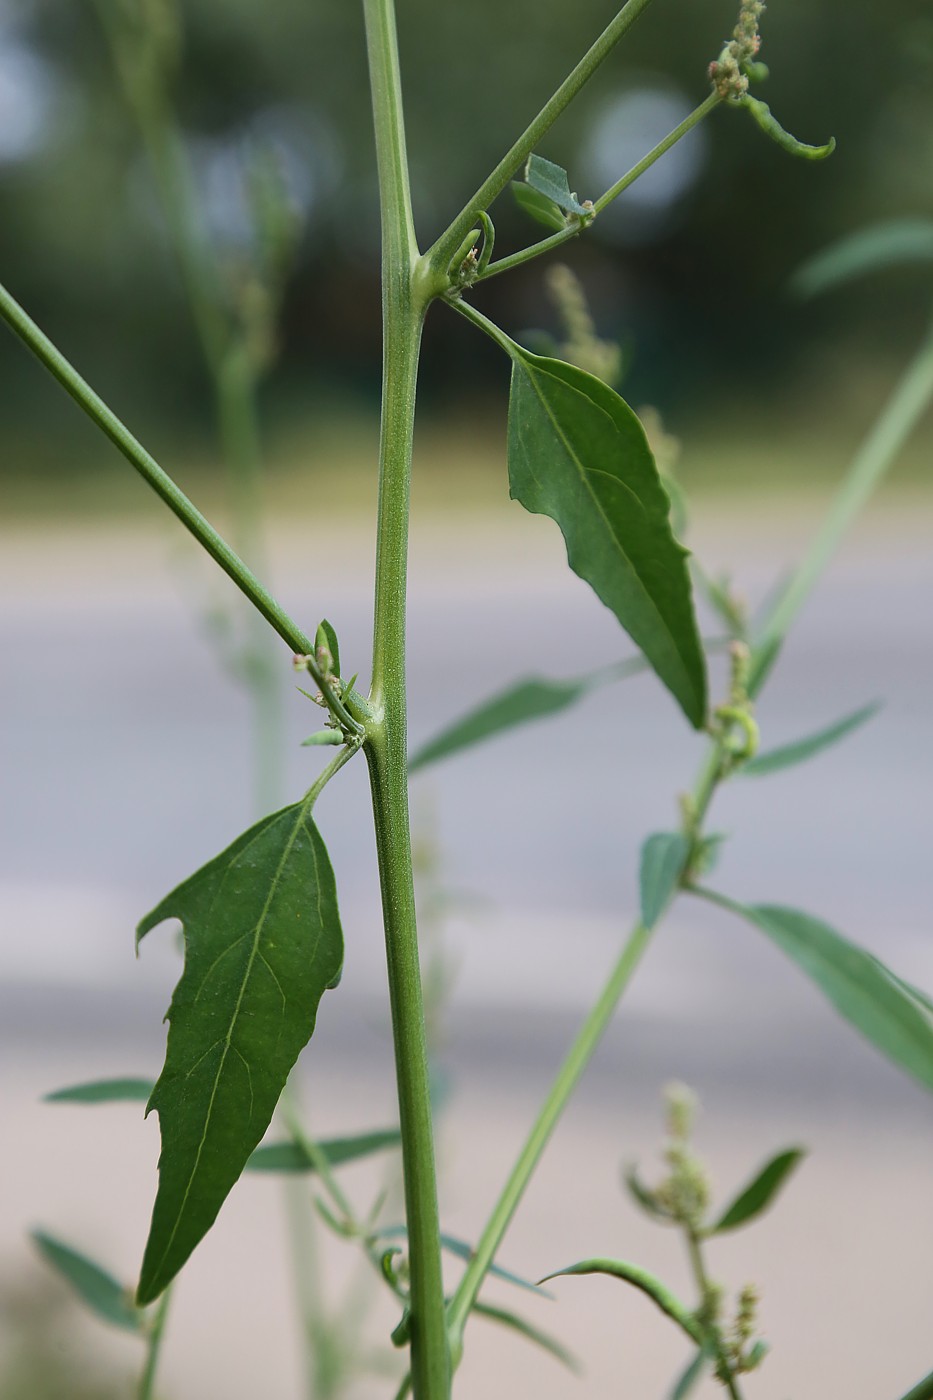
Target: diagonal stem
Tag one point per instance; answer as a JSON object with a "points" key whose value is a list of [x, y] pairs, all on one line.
{"points": [[443, 250]]}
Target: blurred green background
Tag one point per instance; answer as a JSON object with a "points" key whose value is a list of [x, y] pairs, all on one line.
{"points": [[688, 271]]}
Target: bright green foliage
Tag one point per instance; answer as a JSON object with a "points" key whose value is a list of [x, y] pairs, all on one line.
{"points": [[292, 1157], [551, 181], [886, 1010], [759, 1193], [97, 1289], [535, 698], [104, 1091], [538, 206], [640, 1278], [803, 749], [663, 858], [872, 249], [262, 944], [527, 1329], [579, 454]]}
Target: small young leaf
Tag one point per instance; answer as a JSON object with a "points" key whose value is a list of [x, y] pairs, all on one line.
{"points": [[643, 1197], [692, 1376], [535, 698], [327, 636], [292, 1157], [647, 1283], [886, 1010], [870, 250], [538, 206], [323, 738], [802, 749], [663, 857], [579, 454], [96, 1288], [104, 1091], [770, 125], [759, 1193], [551, 181], [262, 944], [528, 1330]]}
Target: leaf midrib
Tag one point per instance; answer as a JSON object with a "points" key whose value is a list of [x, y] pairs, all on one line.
{"points": [[228, 1038]]}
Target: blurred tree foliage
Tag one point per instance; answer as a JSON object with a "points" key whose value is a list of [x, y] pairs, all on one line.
{"points": [[82, 241]]}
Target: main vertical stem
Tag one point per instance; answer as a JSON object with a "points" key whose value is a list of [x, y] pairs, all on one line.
{"points": [[387, 743]]}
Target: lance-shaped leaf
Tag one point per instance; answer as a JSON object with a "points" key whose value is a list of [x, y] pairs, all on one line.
{"points": [[640, 1278], [535, 698], [262, 944], [551, 181], [531, 1333], [759, 1193], [663, 857], [97, 1289], [104, 1091], [870, 250], [293, 1157], [798, 752], [579, 454], [888, 1011]]}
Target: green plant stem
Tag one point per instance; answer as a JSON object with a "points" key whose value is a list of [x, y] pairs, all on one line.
{"points": [[562, 236], [701, 1279], [440, 254], [386, 747], [696, 116], [163, 485], [923, 1390], [566, 1081], [904, 409], [154, 1347]]}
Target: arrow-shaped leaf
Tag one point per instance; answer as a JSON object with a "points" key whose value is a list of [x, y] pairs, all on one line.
{"points": [[759, 1193], [802, 749], [94, 1285], [579, 454], [262, 944], [888, 1011], [292, 1157]]}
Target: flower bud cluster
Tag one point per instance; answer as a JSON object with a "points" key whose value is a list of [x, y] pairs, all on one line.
{"points": [[727, 72]]}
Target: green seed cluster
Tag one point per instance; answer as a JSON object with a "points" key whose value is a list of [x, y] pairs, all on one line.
{"points": [[727, 72]]}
